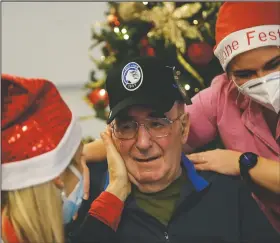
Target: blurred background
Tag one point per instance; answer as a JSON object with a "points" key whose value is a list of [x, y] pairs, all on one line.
{"points": [[73, 44]]}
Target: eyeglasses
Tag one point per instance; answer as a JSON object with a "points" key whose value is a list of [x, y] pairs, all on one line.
{"points": [[156, 127]]}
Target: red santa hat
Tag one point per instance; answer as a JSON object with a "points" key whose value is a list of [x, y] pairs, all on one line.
{"points": [[39, 133], [243, 26]]}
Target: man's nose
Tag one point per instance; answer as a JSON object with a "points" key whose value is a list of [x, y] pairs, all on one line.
{"points": [[143, 140]]}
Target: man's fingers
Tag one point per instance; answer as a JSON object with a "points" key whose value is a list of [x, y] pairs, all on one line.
{"points": [[108, 142], [114, 158], [107, 138]]}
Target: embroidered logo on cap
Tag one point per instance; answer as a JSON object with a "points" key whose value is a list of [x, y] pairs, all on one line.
{"points": [[132, 76]]}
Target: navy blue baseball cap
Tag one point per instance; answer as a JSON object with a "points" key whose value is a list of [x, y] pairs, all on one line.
{"points": [[143, 81]]}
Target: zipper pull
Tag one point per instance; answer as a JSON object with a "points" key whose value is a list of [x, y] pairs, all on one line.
{"points": [[166, 236]]}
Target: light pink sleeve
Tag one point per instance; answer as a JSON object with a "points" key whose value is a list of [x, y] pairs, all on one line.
{"points": [[203, 117]]}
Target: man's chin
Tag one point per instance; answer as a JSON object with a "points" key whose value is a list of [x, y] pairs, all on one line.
{"points": [[147, 177], [148, 182]]}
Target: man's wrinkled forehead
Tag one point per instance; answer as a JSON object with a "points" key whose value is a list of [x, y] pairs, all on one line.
{"points": [[138, 112]]}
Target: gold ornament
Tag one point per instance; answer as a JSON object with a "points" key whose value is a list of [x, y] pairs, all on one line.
{"points": [[190, 69], [170, 22], [130, 10]]}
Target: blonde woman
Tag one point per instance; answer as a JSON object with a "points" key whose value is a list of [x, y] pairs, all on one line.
{"points": [[45, 182]]}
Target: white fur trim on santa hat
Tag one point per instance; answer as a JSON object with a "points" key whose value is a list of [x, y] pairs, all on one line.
{"points": [[245, 40], [45, 167]]}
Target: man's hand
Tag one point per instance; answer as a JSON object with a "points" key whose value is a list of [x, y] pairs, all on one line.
{"points": [[219, 160], [119, 184]]}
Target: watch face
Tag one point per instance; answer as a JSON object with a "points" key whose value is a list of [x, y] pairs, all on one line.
{"points": [[249, 159]]}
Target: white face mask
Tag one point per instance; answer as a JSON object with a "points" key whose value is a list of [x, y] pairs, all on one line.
{"points": [[264, 90]]}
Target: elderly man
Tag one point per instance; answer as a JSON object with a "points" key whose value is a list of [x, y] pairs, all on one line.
{"points": [[169, 201]]}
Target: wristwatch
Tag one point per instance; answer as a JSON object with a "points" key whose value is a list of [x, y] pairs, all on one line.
{"points": [[247, 161]]}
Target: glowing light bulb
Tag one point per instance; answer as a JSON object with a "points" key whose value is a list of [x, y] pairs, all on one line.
{"points": [[187, 87], [102, 92], [145, 3], [126, 36], [116, 30], [195, 22], [124, 31]]}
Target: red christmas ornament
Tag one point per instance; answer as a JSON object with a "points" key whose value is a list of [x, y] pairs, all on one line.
{"points": [[113, 20], [146, 49], [200, 53], [150, 51], [99, 97], [144, 41]]}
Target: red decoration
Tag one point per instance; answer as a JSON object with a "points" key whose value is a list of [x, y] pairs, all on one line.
{"points": [[150, 51], [99, 97], [113, 20], [146, 49], [200, 53], [144, 41]]}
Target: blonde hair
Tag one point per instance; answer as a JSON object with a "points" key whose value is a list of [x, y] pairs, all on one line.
{"points": [[35, 213]]}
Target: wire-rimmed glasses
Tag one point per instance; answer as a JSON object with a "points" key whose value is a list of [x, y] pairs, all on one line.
{"points": [[156, 127]]}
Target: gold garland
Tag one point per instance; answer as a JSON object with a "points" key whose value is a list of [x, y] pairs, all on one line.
{"points": [[96, 84], [169, 22], [190, 69]]}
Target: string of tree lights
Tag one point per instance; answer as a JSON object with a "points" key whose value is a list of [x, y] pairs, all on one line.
{"points": [[181, 32]]}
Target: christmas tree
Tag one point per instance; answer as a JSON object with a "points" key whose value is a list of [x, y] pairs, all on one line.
{"points": [[182, 33]]}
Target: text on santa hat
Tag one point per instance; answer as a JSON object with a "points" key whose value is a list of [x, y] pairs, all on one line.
{"points": [[249, 39]]}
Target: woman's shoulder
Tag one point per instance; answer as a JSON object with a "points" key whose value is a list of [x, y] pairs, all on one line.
{"points": [[221, 82], [216, 92], [222, 89]]}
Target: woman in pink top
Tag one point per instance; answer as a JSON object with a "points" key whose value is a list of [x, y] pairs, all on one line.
{"points": [[242, 105]]}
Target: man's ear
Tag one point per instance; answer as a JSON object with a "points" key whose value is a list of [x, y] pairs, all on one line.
{"points": [[185, 128]]}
